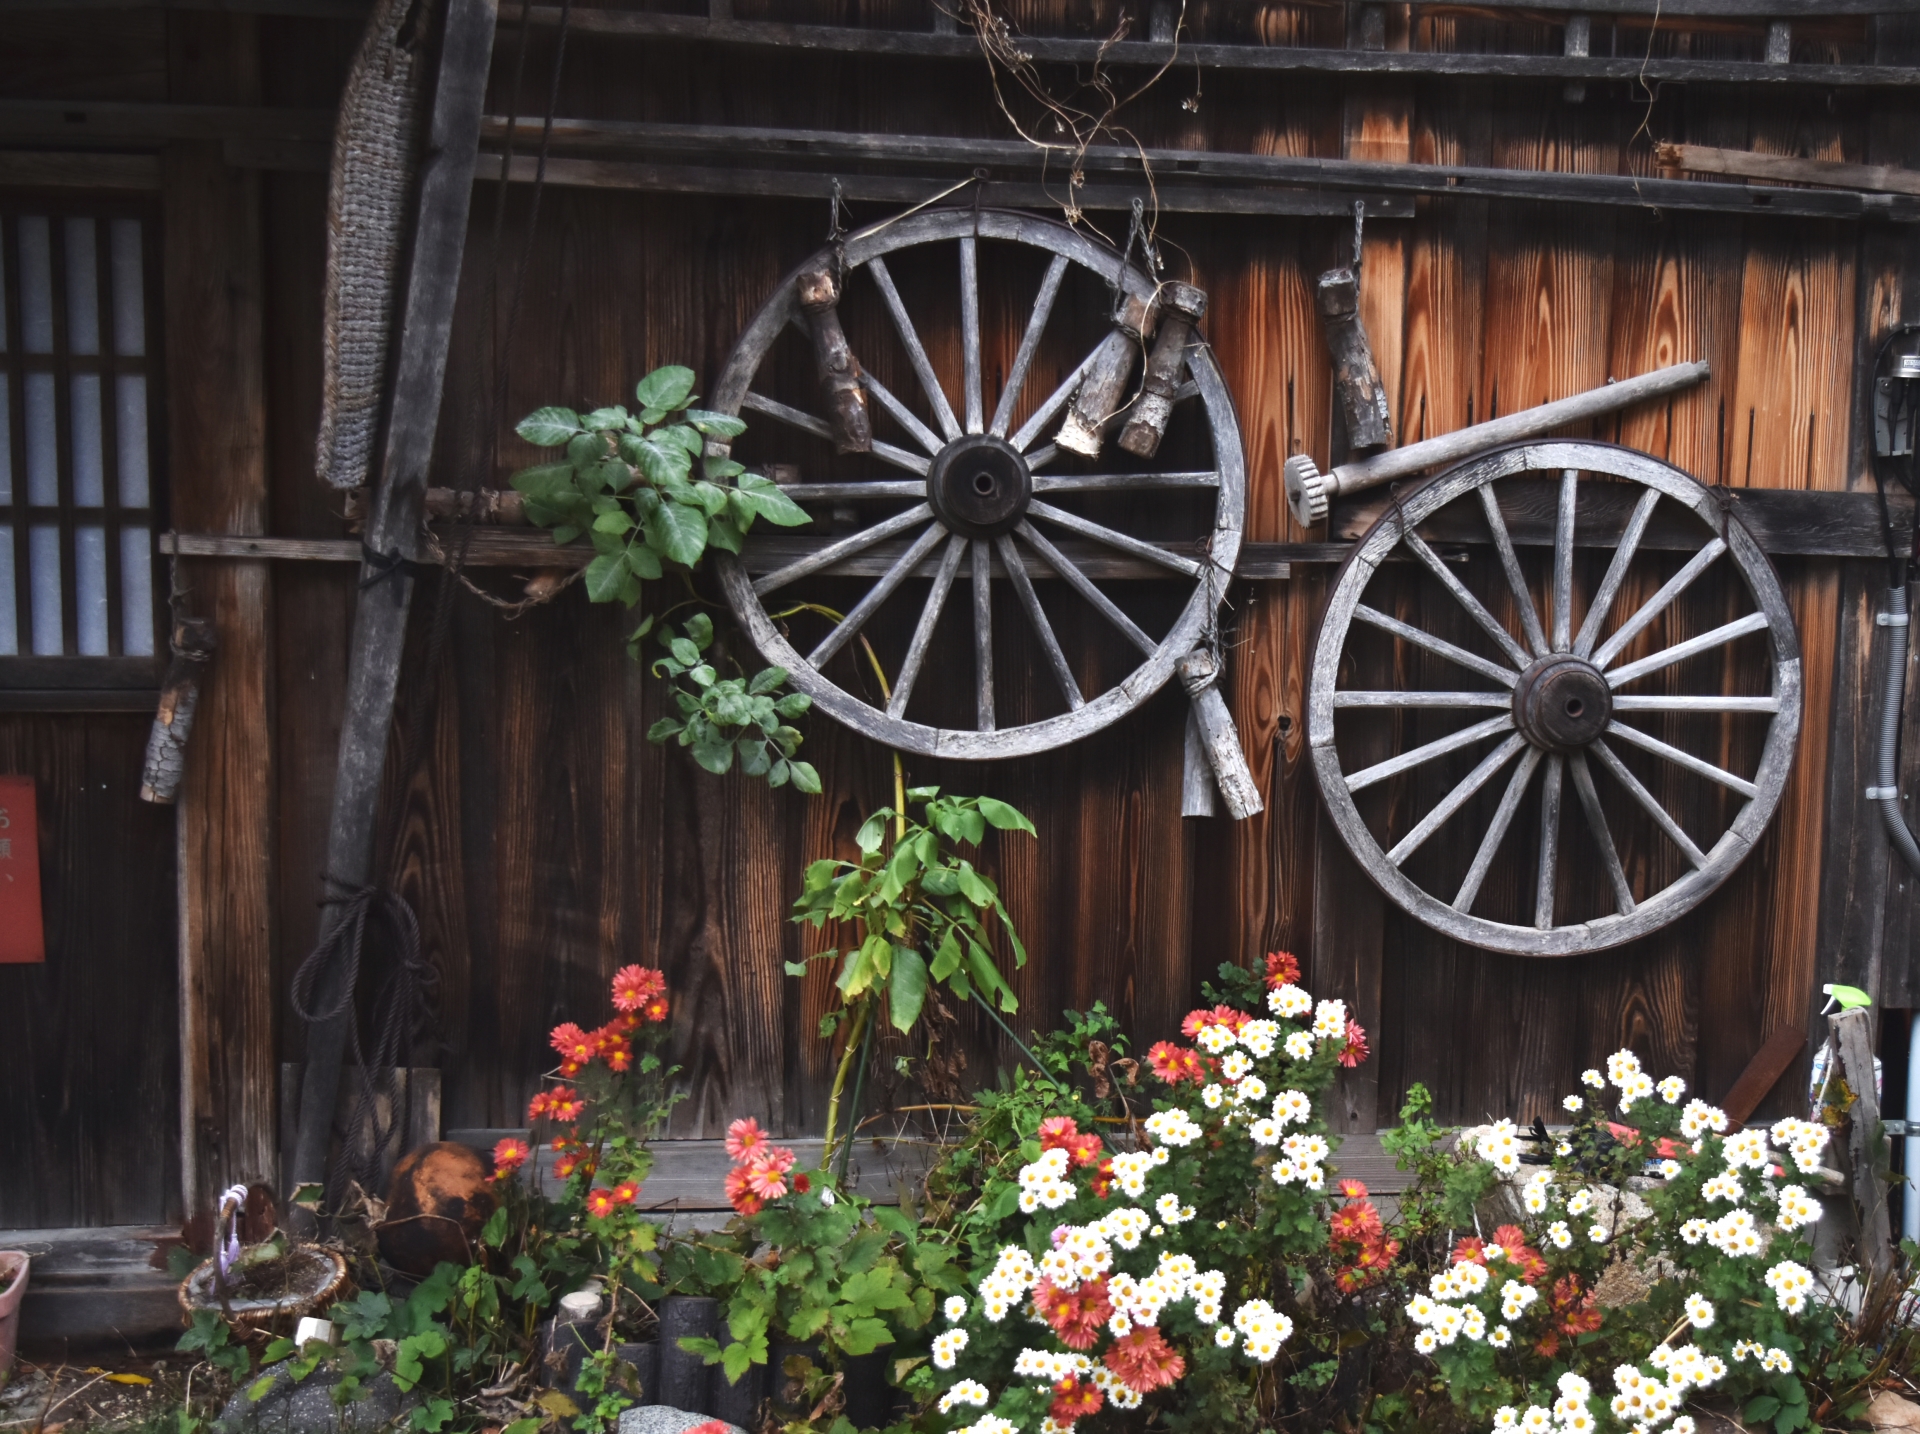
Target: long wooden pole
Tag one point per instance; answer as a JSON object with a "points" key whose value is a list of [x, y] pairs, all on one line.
{"points": [[386, 587]]}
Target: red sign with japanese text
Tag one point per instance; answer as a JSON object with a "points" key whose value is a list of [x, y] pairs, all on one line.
{"points": [[22, 935]]}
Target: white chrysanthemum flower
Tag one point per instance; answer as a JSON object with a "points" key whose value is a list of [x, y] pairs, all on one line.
{"points": [[955, 1308], [1699, 1118], [1669, 1169], [1260, 1037], [1593, 1078], [1671, 1089], [1289, 1001], [1516, 1299], [1694, 1231], [1251, 1091], [989, 1424], [1235, 1065], [1420, 1309], [1622, 1064], [1564, 1148], [1699, 1311], [1299, 1046], [1500, 1336], [947, 1346], [1537, 1420], [1573, 1102], [1330, 1020], [1683, 1425], [1264, 1132], [967, 1391], [1637, 1086], [1160, 1157], [1597, 1234], [1747, 1149], [1559, 1234], [1580, 1202], [1426, 1342], [1223, 1337], [1212, 1096], [1292, 1106], [1777, 1361], [1724, 1186], [1797, 1208], [1172, 1127], [1173, 1212], [1504, 1418]]}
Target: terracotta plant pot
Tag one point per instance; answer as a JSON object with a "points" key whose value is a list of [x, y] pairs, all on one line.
{"points": [[305, 1280], [13, 1288]]}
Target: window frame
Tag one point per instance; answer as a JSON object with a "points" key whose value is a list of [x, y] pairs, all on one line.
{"points": [[71, 681]]}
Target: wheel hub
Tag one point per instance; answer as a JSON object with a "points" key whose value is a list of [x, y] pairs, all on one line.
{"points": [[980, 486], [1562, 703]]}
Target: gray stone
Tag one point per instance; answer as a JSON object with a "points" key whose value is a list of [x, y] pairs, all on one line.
{"points": [[307, 1407], [660, 1419]]}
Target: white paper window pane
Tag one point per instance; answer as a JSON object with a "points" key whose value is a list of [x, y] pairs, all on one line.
{"points": [[43, 446], [90, 589], [130, 433], [89, 477], [83, 289], [136, 592], [6, 440], [36, 285], [9, 619], [129, 295], [43, 575]]}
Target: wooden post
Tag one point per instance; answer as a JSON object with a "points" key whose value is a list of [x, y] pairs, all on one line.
{"points": [[216, 408], [1356, 378], [1181, 306], [1852, 1034], [386, 587]]}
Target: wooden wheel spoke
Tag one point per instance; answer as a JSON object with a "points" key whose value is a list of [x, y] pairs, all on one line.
{"points": [[1029, 346], [1476, 610], [1562, 639], [983, 634], [1461, 794], [1681, 651], [970, 331], [1602, 602], [837, 492], [1112, 538], [903, 415], [1659, 602], [1496, 832], [1602, 838], [877, 594], [1054, 402], [1439, 646], [1358, 697], [1649, 804], [1696, 765], [929, 619], [1510, 564], [1036, 615], [916, 352], [853, 543], [1120, 482], [807, 423], [1041, 457], [1658, 703], [1084, 585], [1452, 742], [1549, 842]]}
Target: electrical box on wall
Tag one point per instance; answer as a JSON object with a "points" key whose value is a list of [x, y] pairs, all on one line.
{"points": [[22, 933]]}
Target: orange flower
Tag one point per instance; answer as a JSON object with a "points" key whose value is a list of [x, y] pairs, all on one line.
{"points": [[573, 1043], [1077, 1315], [1573, 1308], [1198, 1021], [612, 1048], [1056, 1131], [538, 1106], [600, 1202], [1174, 1064], [1353, 1189], [566, 1165], [570, 1069], [1143, 1361], [739, 1194], [1085, 1149], [564, 1103], [1283, 969], [1355, 1223], [1103, 1179], [626, 1192], [509, 1156], [634, 986], [1073, 1400], [745, 1139], [655, 1010]]}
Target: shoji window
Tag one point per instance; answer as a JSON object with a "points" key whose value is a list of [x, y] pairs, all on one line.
{"points": [[78, 389]]}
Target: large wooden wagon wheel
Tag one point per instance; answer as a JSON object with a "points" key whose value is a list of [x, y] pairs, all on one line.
{"points": [[973, 496], [1551, 697]]}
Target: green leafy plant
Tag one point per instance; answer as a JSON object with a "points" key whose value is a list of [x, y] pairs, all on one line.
{"points": [[628, 480], [724, 716]]}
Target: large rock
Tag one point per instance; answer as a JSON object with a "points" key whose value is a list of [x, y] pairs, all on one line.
{"points": [[663, 1419], [307, 1407], [1889, 1412], [440, 1198]]}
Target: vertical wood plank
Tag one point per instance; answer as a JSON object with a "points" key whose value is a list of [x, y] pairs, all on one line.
{"points": [[217, 456]]}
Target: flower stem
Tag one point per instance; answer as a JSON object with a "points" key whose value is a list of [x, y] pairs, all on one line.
{"points": [[855, 1036], [853, 1111]]}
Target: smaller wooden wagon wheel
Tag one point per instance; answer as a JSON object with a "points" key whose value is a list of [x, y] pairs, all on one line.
{"points": [[1550, 698], [976, 495]]}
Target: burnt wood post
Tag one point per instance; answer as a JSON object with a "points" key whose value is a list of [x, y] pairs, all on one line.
{"points": [[193, 644], [839, 370], [1098, 398], [1181, 307], [1356, 378], [1852, 1038], [393, 533]]}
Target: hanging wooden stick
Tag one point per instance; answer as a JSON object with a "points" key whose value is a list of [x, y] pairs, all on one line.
{"points": [[1098, 397], [1181, 306], [193, 645], [839, 369]]}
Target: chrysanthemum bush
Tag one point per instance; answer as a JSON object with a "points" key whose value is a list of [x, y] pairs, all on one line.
{"points": [[1148, 1260]]}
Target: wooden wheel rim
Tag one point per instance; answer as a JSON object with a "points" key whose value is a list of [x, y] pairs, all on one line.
{"points": [[936, 226], [1664, 482]]}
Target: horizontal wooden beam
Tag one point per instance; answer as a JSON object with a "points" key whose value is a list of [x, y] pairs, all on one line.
{"points": [[82, 121], [900, 44], [1688, 9], [1704, 159], [1170, 167], [47, 169], [355, 10]]}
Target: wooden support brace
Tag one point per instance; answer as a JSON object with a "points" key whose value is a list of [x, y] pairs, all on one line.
{"points": [[839, 370], [1098, 398], [193, 644], [1196, 772], [1200, 674], [1851, 1033], [1356, 378], [1579, 39], [1181, 307]]}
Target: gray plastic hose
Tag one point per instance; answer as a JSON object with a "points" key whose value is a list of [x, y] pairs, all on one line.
{"points": [[1887, 793]]}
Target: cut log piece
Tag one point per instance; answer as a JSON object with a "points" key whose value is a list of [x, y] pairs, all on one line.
{"points": [[1098, 399], [839, 369], [1181, 307], [166, 765]]}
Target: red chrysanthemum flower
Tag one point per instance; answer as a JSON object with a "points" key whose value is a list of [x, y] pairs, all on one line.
{"points": [[777, 1158], [1174, 1064], [509, 1156], [1573, 1308], [1103, 1179], [573, 1043], [1076, 1315], [1198, 1021], [1074, 1399], [634, 986], [564, 1104], [1357, 1049], [1525, 1260], [1548, 1345], [655, 1010], [619, 1058], [1353, 1189], [1378, 1254], [570, 1069], [538, 1106], [1085, 1149], [626, 1192], [1057, 1130], [1283, 969], [600, 1202], [745, 1140], [1352, 1280], [801, 1185], [766, 1181], [1143, 1361], [566, 1165], [739, 1194], [1355, 1223]]}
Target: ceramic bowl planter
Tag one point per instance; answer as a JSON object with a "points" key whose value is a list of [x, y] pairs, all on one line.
{"points": [[271, 1284], [13, 1288]]}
